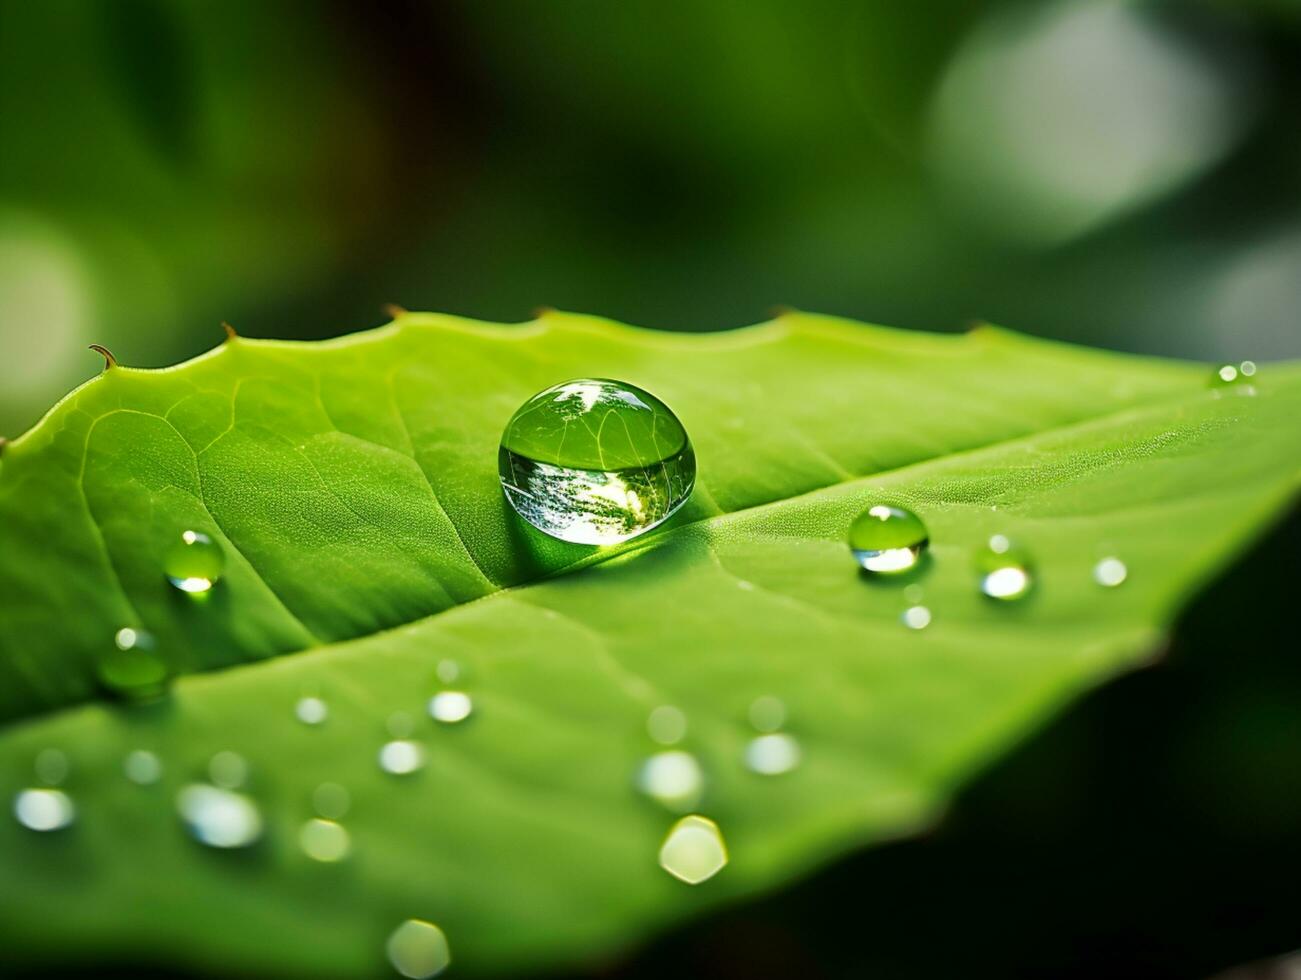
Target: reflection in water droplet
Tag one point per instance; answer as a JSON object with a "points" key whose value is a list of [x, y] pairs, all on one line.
{"points": [[771, 755], [331, 800], [887, 539], [311, 711], [1227, 374], [44, 809], [449, 707], [133, 670], [51, 766], [1110, 572], [194, 562], [218, 817], [694, 850], [1004, 570], [401, 757], [674, 779], [594, 461], [916, 617], [418, 949], [142, 767], [1247, 369], [667, 725], [448, 671], [227, 769], [767, 713], [324, 840]]}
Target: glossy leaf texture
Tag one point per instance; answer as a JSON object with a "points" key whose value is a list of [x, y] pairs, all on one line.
{"points": [[352, 485]]}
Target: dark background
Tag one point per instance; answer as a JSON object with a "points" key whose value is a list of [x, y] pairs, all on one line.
{"points": [[1121, 174]]}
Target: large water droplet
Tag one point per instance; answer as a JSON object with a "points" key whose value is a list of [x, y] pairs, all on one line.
{"points": [[194, 562], [142, 767], [133, 669], [219, 817], [666, 725], [401, 757], [773, 754], [51, 766], [311, 711], [1110, 572], [324, 840], [418, 949], [694, 850], [673, 779], [594, 461], [887, 539], [44, 809], [1004, 570], [449, 707]]}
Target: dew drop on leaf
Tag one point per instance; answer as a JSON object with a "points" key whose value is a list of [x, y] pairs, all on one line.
{"points": [[916, 617], [694, 850], [1004, 570], [44, 809], [133, 669], [450, 707], [331, 800], [1110, 572], [594, 461], [324, 840], [887, 539], [142, 767], [767, 713], [673, 779], [772, 754], [227, 769], [194, 563], [401, 756], [311, 710], [418, 949], [219, 817], [51, 766], [666, 725]]}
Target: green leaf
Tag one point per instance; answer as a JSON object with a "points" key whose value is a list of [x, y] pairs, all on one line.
{"points": [[353, 487]]}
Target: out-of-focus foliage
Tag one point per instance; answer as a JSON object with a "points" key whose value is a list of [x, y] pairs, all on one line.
{"points": [[1123, 173]]}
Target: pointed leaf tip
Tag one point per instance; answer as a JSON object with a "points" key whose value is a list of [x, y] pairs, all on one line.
{"points": [[230, 331], [109, 360], [393, 311]]}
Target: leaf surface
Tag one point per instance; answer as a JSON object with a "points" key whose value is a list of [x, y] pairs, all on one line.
{"points": [[352, 484]]}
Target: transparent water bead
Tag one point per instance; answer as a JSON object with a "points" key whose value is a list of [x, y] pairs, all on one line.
{"points": [[44, 809], [1110, 572], [132, 669], [227, 769], [694, 850], [331, 800], [311, 711], [772, 754], [1004, 570], [219, 817], [767, 713], [142, 767], [450, 707], [418, 949], [916, 617], [51, 766], [673, 779], [324, 840], [887, 539], [595, 461], [401, 757], [194, 563], [666, 725]]}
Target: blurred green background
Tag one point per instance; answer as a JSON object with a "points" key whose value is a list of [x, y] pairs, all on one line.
{"points": [[1121, 174]]}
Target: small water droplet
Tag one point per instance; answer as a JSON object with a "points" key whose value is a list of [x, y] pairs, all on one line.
{"points": [[418, 950], [1110, 572], [324, 840], [1004, 570], [666, 725], [194, 563], [448, 671], [401, 757], [595, 461], [694, 850], [1226, 374], [767, 713], [142, 767], [311, 710], [773, 754], [449, 707], [133, 669], [674, 779], [331, 800], [51, 766], [219, 817], [44, 809], [916, 617], [1247, 369], [227, 769], [887, 540]]}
